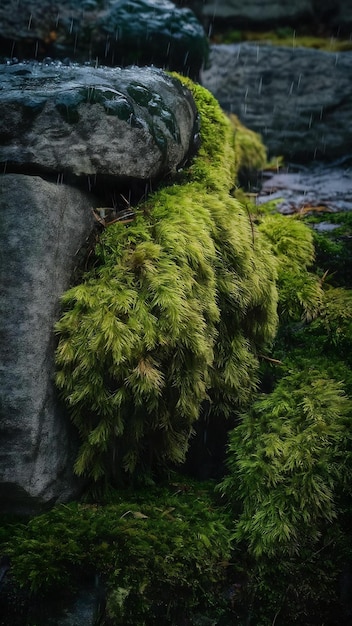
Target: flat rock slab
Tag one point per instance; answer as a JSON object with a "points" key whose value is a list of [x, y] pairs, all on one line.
{"points": [[298, 99], [42, 226], [134, 123], [113, 32], [316, 187]]}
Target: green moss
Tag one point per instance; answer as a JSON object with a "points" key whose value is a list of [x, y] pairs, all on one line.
{"points": [[286, 37], [250, 151], [161, 555], [174, 312]]}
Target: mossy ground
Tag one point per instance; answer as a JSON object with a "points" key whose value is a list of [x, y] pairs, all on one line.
{"points": [[286, 36]]}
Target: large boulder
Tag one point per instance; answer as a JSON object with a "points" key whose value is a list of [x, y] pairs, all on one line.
{"points": [[66, 123], [299, 99], [42, 226], [118, 123], [113, 32], [333, 14]]}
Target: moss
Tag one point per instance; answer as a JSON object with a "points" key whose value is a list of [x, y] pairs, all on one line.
{"points": [[173, 313], [286, 37], [250, 151], [160, 554]]}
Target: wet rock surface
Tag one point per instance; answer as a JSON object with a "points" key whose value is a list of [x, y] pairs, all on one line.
{"points": [[111, 32], [42, 226], [121, 123], [318, 187], [298, 99], [254, 13]]}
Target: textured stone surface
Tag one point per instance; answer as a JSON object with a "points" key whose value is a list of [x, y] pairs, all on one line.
{"points": [[299, 189], [124, 123], [333, 13], [257, 11], [114, 32], [343, 18], [300, 100], [42, 225]]}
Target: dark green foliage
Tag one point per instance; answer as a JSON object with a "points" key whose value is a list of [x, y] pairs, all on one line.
{"points": [[173, 313], [161, 555], [289, 459], [333, 248], [300, 292]]}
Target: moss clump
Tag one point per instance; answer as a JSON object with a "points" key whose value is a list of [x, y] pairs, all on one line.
{"points": [[250, 151], [173, 313], [160, 555]]}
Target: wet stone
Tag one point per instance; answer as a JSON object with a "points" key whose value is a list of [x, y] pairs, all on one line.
{"points": [[317, 187], [135, 123]]}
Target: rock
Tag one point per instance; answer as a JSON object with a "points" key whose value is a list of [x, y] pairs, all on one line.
{"points": [[317, 187], [332, 14], [298, 99], [42, 225], [343, 18], [256, 12], [116, 32], [120, 123]]}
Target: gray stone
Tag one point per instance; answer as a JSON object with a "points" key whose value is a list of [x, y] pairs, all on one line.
{"points": [[299, 99], [300, 188], [257, 11], [343, 19], [121, 123], [117, 32], [42, 226]]}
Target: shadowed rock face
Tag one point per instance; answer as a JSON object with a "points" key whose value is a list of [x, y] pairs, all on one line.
{"points": [[133, 123], [336, 14], [41, 227], [256, 11], [299, 99], [113, 32], [123, 125]]}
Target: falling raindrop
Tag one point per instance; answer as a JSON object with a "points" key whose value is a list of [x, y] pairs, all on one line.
{"points": [[291, 89], [57, 20], [321, 112], [310, 121], [107, 46], [36, 49], [29, 22], [260, 86], [299, 80], [71, 26], [12, 49], [5, 167]]}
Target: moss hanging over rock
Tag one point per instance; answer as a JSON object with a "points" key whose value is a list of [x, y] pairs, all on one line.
{"points": [[173, 313]]}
